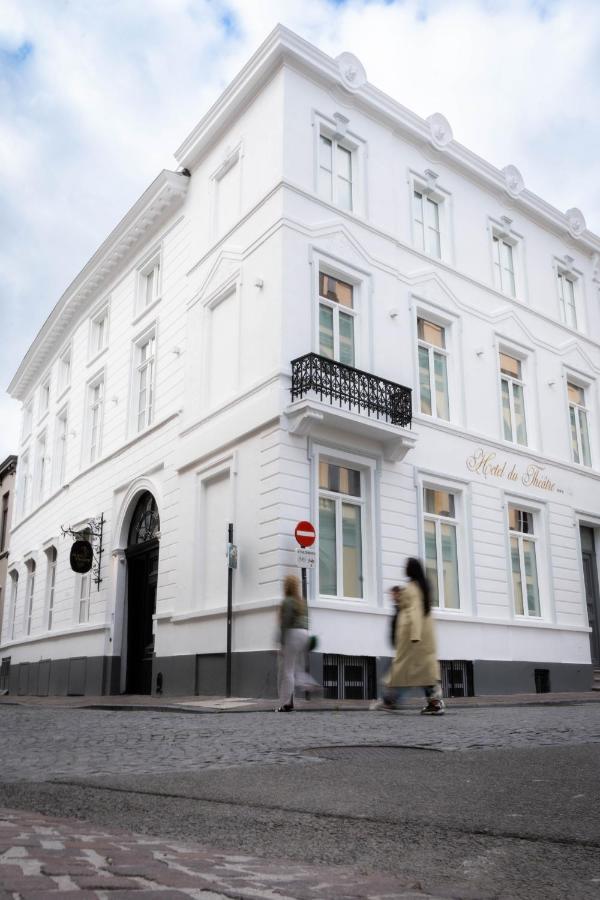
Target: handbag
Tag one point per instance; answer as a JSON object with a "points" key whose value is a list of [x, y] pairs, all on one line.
{"points": [[313, 642]]}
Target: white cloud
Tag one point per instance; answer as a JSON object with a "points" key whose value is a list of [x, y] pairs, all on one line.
{"points": [[95, 97]]}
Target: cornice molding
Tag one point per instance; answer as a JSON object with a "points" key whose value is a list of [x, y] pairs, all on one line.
{"points": [[166, 192], [282, 46]]}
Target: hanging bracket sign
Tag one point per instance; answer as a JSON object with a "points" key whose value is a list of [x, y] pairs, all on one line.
{"points": [[81, 557]]}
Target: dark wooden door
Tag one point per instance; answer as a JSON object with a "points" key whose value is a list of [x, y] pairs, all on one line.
{"points": [[142, 565], [592, 594]]}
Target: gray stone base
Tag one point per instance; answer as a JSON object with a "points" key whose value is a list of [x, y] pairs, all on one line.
{"points": [[510, 677], [255, 675]]}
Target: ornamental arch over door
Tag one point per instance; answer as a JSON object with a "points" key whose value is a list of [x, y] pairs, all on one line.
{"points": [[142, 576]]}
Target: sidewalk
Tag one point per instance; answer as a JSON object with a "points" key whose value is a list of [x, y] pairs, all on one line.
{"points": [[220, 704]]}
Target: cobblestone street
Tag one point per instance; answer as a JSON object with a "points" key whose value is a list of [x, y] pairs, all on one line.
{"points": [[315, 804]]}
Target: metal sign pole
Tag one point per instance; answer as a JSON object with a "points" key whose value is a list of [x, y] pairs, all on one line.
{"points": [[304, 590], [229, 615]]}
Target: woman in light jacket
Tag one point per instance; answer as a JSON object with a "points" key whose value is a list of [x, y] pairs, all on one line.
{"points": [[293, 622], [416, 663]]}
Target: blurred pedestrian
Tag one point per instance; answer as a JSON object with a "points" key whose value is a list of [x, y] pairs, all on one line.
{"points": [[294, 643], [415, 663]]}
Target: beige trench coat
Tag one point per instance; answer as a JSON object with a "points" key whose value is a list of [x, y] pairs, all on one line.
{"points": [[416, 664]]}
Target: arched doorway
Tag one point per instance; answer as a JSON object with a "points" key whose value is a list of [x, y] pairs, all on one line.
{"points": [[142, 576]]}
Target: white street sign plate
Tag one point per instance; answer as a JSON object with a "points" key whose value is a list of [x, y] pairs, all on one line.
{"points": [[306, 558]]}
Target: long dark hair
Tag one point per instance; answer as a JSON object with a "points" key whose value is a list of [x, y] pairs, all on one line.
{"points": [[414, 571]]}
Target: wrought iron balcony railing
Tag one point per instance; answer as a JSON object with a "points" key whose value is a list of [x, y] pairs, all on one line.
{"points": [[348, 386]]}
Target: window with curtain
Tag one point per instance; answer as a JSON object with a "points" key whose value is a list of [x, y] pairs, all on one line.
{"points": [[341, 514], [513, 403], [433, 369], [440, 526], [336, 319], [526, 594], [578, 417]]}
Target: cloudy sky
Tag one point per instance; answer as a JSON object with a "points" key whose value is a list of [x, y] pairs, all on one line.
{"points": [[95, 95]]}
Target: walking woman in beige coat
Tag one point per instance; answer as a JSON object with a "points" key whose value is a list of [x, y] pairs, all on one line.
{"points": [[416, 663]]}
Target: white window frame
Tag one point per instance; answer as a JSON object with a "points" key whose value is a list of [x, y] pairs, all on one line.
{"points": [[437, 481], [99, 332], [525, 363], [153, 263], [60, 446], [568, 313], [335, 129], [64, 370], [233, 158], [27, 420], [432, 350], [502, 230], [587, 387], [24, 492], [367, 467], [44, 404], [42, 463], [149, 334], [84, 593], [351, 312], [539, 531], [360, 280], [439, 520], [14, 597], [99, 380], [31, 567], [427, 185], [51, 565]]}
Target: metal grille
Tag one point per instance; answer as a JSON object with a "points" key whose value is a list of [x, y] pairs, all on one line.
{"points": [[349, 677], [4, 674], [457, 678], [358, 390]]}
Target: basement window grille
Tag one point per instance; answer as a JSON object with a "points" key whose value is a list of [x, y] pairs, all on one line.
{"points": [[4, 674], [457, 678], [349, 677]]}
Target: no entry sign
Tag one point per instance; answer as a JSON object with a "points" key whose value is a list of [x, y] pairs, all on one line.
{"points": [[305, 534]]}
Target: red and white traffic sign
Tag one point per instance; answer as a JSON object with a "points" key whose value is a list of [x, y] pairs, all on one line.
{"points": [[305, 534]]}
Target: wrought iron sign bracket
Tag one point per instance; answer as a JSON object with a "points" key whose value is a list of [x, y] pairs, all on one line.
{"points": [[95, 529]]}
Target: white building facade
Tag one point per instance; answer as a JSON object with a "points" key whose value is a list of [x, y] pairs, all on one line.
{"points": [[333, 311]]}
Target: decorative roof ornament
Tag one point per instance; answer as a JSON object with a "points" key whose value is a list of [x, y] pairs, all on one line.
{"points": [[439, 130], [352, 71], [575, 222], [513, 181]]}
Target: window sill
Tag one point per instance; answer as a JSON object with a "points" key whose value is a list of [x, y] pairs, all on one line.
{"points": [[142, 312], [99, 355], [52, 635], [63, 393], [348, 604]]}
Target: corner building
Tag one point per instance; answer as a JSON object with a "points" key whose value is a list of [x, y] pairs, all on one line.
{"points": [[332, 311]]}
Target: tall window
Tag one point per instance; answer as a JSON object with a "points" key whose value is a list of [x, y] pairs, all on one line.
{"points": [[85, 589], [95, 410], [504, 270], [44, 398], [27, 420], [441, 553], [60, 451], [578, 415], [513, 405], [335, 172], [30, 590], [14, 595], [24, 492], [64, 370], [51, 556], [149, 283], [99, 332], [433, 369], [566, 299], [523, 562], [427, 224], [4, 521], [341, 507], [42, 468], [146, 351], [336, 319]]}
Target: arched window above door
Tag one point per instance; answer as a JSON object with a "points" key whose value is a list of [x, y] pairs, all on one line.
{"points": [[145, 522]]}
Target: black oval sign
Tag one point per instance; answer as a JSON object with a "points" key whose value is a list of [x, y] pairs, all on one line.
{"points": [[82, 557]]}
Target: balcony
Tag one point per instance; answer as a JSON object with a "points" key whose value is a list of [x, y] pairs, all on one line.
{"points": [[328, 393]]}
